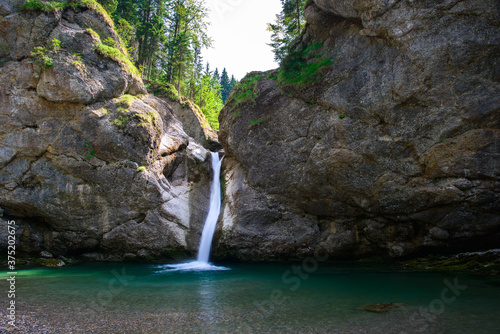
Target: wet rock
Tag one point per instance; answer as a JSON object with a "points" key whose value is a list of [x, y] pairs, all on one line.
{"points": [[51, 263], [46, 255], [485, 262]]}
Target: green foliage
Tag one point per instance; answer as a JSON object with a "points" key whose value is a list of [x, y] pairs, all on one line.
{"points": [[111, 42], [300, 68], [126, 100], [79, 64], [255, 122], [109, 5], [41, 58], [56, 45], [211, 101], [40, 54], [120, 121], [54, 6], [126, 31], [148, 119], [236, 113], [94, 35], [164, 89], [93, 5], [90, 153], [42, 6], [486, 263], [246, 90], [287, 27], [119, 57], [141, 169], [209, 98]]}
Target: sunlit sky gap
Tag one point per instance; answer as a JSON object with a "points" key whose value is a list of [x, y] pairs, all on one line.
{"points": [[239, 31]]}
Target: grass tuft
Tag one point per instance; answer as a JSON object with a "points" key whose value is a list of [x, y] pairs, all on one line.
{"points": [[301, 68], [254, 122], [245, 91], [42, 6], [119, 57], [164, 89]]}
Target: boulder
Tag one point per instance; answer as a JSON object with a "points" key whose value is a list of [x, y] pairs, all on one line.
{"points": [[90, 164], [386, 143]]}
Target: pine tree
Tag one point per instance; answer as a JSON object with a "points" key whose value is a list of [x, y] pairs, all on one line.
{"points": [[287, 27], [164, 39], [225, 85], [216, 74], [232, 83]]}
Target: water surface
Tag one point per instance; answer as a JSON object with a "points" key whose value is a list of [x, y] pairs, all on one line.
{"points": [[255, 298]]}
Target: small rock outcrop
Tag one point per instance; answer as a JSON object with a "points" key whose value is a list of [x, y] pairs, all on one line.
{"points": [[383, 141], [89, 163]]}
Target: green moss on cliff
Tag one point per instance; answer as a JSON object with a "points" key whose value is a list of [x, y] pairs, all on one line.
{"points": [[43, 6], [119, 57], [126, 100], [302, 68], [245, 92], [163, 89], [54, 6], [93, 5], [483, 263], [115, 50], [41, 56]]}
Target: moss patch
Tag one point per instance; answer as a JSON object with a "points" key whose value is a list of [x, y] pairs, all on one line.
{"points": [[93, 5], [487, 263], [41, 54], [120, 113], [53, 263], [166, 90], [302, 68], [43, 6], [76, 5], [126, 100], [254, 122], [94, 35], [119, 57], [245, 92]]}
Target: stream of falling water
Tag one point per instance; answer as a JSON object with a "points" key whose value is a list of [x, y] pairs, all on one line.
{"points": [[210, 225]]}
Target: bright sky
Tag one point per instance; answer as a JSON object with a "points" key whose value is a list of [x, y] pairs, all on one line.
{"points": [[239, 31]]}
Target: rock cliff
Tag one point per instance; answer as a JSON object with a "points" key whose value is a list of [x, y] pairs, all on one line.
{"points": [[380, 138], [89, 163]]}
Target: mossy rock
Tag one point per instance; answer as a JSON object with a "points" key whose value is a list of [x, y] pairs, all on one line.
{"points": [[487, 263], [51, 263]]}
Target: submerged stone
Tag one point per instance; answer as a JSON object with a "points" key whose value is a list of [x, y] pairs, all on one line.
{"points": [[382, 307]]}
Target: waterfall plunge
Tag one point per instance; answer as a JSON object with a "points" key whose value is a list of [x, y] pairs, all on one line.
{"points": [[209, 228], [213, 213]]}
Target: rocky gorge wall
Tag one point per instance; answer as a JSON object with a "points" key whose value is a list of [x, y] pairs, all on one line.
{"points": [[90, 164], [385, 142]]}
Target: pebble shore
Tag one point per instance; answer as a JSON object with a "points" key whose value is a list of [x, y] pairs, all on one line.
{"points": [[48, 319]]}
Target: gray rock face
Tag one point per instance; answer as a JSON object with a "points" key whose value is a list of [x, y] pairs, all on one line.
{"points": [[196, 125], [85, 169], [393, 150]]}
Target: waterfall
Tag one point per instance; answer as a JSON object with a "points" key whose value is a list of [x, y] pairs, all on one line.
{"points": [[213, 212], [209, 229]]}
